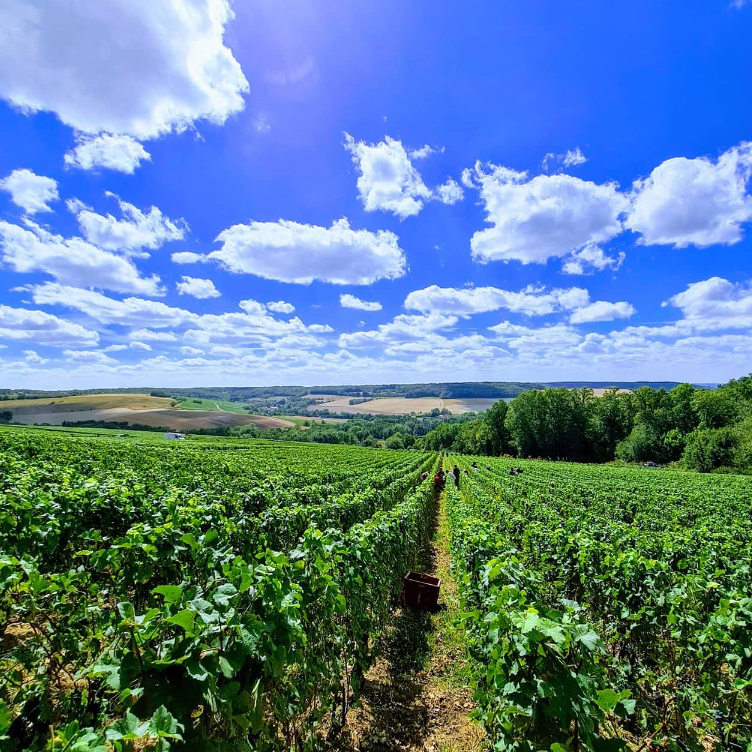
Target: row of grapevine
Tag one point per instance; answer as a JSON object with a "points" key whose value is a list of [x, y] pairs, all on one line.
{"points": [[608, 605], [142, 610]]}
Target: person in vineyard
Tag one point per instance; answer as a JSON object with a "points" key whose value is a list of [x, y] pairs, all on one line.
{"points": [[451, 476], [456, 472]]}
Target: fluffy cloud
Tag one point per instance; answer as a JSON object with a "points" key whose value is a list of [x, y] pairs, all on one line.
{"points": [[33, 358], [137, 67], [290, 252], [88, 356], [187, 257], [140, 346], [188, 350], [130, 312], [280, 306], [404, 329], [543, 217], [602, 311], [250, 328], [198, 288], [71, 261], [450, 192], [694, 201], [715, 304], [531, 301], [388, 181], [119, 153], [350, 301], [529, 339], [591, 258], [31, 192], [137, 230], [22, 325]]}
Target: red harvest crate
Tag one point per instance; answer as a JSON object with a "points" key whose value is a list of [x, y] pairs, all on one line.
{"points": [[421, 591]]}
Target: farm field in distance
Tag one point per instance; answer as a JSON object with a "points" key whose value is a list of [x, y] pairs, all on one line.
{"points": [[398, 405], [224, 591], [141, 409]]}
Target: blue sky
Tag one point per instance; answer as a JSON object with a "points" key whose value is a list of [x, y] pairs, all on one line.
{"points": [[285, 192]]}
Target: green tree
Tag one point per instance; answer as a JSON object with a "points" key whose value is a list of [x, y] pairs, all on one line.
{"points": [[395, 441], [709, 448], [498, 435], [715, 408], [642, 445], [683, 413], [609, 422]]}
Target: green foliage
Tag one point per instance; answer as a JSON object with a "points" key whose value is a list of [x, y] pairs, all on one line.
{"points": [[715, 408], [641, 426], [195, 597], [709, 448], [606, 605]]}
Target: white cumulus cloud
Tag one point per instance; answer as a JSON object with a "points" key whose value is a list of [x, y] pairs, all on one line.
{"points": [[88, 356], [694, 201], [543, 217], [135, 231], [602, 310], [291, 252], [23, 325], [350, 301], [450, 192], [187, 257], [388, 181], [715, 304], [130, 311], [591, 258], [531, 301], [31, 192], [280, 306], [198, 288], [136, 67], [71, 261], [33, 358], [112, 152]]}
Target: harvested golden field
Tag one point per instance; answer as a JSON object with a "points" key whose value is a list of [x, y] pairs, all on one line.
{"points": [[601, 392], [398, 405]]}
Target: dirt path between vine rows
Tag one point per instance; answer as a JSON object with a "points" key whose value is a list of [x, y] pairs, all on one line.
{"points": [[416, 696]]}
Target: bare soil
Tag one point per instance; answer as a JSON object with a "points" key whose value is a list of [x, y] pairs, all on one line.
{"points": [[417, 697]]}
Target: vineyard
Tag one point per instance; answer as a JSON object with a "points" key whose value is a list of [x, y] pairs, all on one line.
{"points": [[608, 607], [220, 596], [233, 595]]}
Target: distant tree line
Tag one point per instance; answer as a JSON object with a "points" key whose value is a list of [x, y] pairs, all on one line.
{"points": [[703, 429]]}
